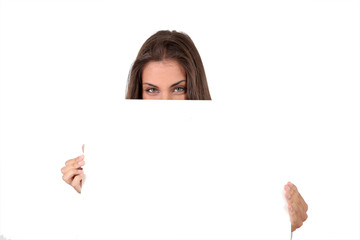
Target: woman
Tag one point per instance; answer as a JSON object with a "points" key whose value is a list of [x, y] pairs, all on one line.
{"points": [[168, 67]]}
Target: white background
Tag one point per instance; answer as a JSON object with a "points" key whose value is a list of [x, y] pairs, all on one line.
{"points": [[289, 70]]}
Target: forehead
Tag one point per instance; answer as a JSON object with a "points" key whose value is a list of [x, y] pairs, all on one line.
{"points": [[163, 73]]}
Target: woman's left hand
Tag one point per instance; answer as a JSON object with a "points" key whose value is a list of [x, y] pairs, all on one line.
{"points": [[296, 205]]}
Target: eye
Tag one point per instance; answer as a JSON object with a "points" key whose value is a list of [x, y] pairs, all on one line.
{"points": [[152, 90], [179, 89]]}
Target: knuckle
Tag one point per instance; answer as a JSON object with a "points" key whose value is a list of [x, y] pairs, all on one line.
{"points": [[295, 212], [68, 162], [74, 183], [75, 171]]}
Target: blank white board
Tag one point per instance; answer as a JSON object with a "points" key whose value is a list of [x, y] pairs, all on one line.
{"points": [[175, 170]]}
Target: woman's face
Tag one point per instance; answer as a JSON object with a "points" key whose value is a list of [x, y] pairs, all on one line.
{"points": [[164, 80]]}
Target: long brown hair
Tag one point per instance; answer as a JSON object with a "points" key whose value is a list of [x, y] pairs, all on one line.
{"points": [[166, 45]]}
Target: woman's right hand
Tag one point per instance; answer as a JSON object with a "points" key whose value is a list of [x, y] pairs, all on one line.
{"points": [[73, 173]]}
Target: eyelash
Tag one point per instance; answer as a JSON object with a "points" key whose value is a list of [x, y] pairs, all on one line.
{"points": [[183, 90], [148, 90]]}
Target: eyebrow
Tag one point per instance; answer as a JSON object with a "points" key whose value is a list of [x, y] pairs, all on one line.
{"points": [[169, 87]]}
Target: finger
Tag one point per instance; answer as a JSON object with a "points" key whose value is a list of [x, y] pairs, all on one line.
{"points": [[305, 204], [297, 212], [76, 163], [68, 177], [302, 203], [83, 147], [300, 200], [76, 183], [294, 194], [72, 161], [294, 218], [79, 163], [291, 214], [288, 197], [305, 217], [296, 226], [288, 193], [63, 170], [301, 211], [292, 186], [296, 201], [287, 188]]}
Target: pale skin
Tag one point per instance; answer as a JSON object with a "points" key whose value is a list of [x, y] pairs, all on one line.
{"points": [[297, 207], [73, 173], [166, 80]]}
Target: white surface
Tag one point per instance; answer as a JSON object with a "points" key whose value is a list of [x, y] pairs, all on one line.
{"points": [[179, 175], [286, 70]]}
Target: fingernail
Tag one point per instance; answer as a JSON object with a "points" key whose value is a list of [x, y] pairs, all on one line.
{"points": [[291, 209], [80, 171], [288, 196], [82, 174], [81, 163], [288, 188]]}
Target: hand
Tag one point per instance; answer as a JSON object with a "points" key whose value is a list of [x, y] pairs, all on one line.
{"points": [[73, 173], [296, 205]]}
